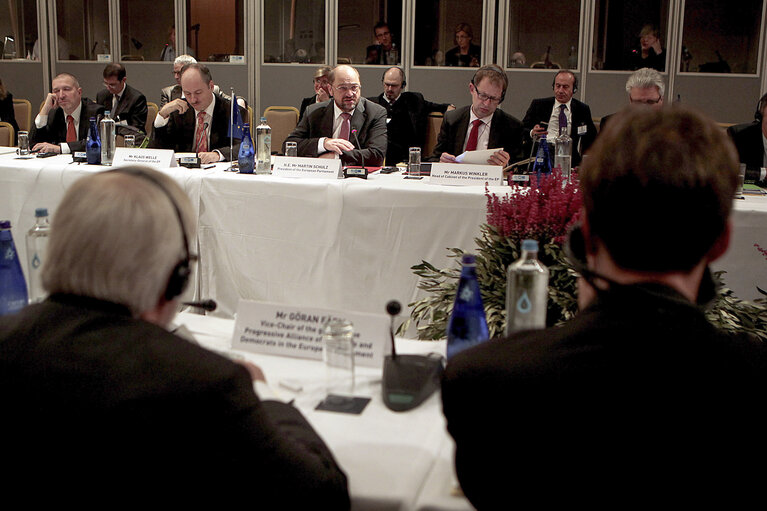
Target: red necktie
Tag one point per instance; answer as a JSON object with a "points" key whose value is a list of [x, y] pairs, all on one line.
{"points": [[471, 145], [345, 126], [71, 133], [202, 137]]}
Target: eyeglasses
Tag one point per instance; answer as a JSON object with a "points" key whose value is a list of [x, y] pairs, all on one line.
{"points": [[485, 97], [355, 88], [645, 101]]}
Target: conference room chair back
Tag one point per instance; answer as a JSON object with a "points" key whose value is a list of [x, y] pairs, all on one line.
{"points": [[151, 114], [250, 122], [282, 120], [433, 125], [6, 134], [22, 109]]}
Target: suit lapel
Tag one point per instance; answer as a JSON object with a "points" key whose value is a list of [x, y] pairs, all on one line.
{"points": [[358, 121], [326, 124], [462, 127], [85, 121]]}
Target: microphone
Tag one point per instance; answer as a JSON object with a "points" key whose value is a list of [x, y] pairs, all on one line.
{"points": [[393, 308], [206, 305], [362, 156]]}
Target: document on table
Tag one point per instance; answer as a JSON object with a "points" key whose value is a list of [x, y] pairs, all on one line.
{"points": [[475, 157]]}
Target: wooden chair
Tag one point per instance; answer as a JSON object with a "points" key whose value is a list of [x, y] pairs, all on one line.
{"points": [[433, 125], [151, 114], [282, 120], [22, 109], [6, 135]]}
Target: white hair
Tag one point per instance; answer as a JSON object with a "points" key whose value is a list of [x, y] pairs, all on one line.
{"points": [[184, 60], [646, 78]]}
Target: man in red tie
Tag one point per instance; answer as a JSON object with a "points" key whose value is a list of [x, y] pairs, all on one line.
{"points": [[482, 125], [62, 124]]}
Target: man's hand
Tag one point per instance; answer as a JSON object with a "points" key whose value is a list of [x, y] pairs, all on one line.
{"points": [[177, 105], [338, 145], [500, 157], [447, 158], [211, 157], [49, 104], [45, 147], [450, 107], [538, 130], [656, 46]]}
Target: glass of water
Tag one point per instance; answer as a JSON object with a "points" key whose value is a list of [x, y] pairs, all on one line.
{"points": [[414, 163], [741, 180], [338, 355], [23, 143], [130, 141], [291, 149]]}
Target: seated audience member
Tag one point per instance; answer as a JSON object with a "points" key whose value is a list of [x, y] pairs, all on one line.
{"points": [[650, 53], [638, 396], [562, 109], [172, 92], [465, 54], [101, 400], [64, 119], [385, 51], [199, 122], [406, 114], [7, 114], [481, 125], [751, 138], [322, 89], [127, 105], [644, 87], [327, 129]]}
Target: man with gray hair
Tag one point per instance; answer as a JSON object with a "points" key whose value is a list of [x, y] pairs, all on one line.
{"points": [[98, 393], [644, 87], [172, 92]]}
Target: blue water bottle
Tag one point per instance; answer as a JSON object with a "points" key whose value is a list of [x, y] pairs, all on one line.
{"points": [[467, 325], [247, 156], [542, 165], [13, 287], [93, 144]]}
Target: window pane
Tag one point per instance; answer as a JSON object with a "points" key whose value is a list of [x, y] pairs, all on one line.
{"points": [[83, 29], [362, 36], [18, 29], [215, 29], [721, 37], [147, 30], [294, 31], [630, 35], [448, 33], [536, 41]]}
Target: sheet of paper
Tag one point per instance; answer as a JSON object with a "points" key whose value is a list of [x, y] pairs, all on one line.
{"points": [[476, 157]]}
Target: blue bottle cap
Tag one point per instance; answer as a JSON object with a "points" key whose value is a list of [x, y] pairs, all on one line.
{"points": [[40, 212], [468, 259], [530, 245]]}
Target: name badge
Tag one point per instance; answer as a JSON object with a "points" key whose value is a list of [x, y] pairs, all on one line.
{"points": [[582, 129]]}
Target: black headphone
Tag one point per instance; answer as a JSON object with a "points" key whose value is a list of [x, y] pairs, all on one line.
{"points": [[179, 275], [562, 71], [401, 72], [497, 69], [760, 108]]}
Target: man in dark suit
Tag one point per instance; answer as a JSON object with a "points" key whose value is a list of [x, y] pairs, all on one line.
{"points": [[645, 87], [328, 129], [63, 122], [639, 396], [750, 138], [96, 389], [406, 114], [562, 109], [127, 105], [481, 126], [385, 50], [171, 92], [199, 122], [322, 90]]}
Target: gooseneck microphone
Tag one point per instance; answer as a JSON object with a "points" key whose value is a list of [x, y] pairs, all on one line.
{"points": [[393, 308], [207, 305], [362, 156]]}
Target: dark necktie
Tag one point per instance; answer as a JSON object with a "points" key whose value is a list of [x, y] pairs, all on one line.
{"points": [[345, 126], [71, 133], [471, 145], [562, 118]]}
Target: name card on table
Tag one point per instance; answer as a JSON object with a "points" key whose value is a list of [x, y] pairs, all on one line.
{"points": [[296, 166], [297, 331], [161, 158], [462, 174]]}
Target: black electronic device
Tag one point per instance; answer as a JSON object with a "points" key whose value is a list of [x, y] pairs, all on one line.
{"points": [[46, 155], [408, 380]]}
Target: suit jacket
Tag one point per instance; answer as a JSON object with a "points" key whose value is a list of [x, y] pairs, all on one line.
{"points": [[748, 141], [637, 395], [171, 92], [93, 394], [505, 133], [7, 114], [179, 133], [306, 102], [369, 119], [540, 111], [453, 56], [406, 123], [55, 130], [131, 108]]}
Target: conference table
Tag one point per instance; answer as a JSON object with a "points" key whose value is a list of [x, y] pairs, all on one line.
{"points": [[344, 244], [393, 460]]}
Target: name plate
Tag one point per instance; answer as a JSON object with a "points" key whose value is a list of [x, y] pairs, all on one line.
{"points": [[297, 331], [162, 158], [296, 166], [462, 174]]}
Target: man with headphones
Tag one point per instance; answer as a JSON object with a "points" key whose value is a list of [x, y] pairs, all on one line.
{"points": [[406, 114], [546, 115], [638, 398], [751, 140], [103, 404], [482, 125]]}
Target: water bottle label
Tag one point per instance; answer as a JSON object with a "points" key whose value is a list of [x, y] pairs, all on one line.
{"points": [[539, 160], [35, 261], [524, 306], [466, 294]]}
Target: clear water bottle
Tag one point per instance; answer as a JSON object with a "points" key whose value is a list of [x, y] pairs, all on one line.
{"points": [[467, 325], [563, 156], [263, 148], [13, 287], [527, 291], [37, 246], [542, 164], [107, 132], [246, 157], [93, 144]]}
